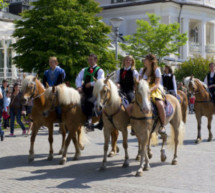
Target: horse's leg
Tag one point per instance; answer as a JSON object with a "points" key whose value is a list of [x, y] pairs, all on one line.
{"points": [[34, 132], [138, 157], [209, 128], [80, 140], [149, 147], [68, 139], [163, 154], [51, 151], [63, 132], [199, 120], [107, 134], [125, 146], [176, 132], [77, 150], [115, 148]]}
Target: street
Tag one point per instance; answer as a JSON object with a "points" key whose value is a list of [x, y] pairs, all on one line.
{"points": [[194, 172]]}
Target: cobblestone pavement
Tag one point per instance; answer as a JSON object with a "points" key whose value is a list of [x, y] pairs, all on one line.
{"points": [[195, 171]]}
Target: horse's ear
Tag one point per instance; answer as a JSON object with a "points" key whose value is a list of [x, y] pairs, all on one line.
{"points": [[53, 89], [35, 78], [136, 81], [47, 85], [108, 77], [191, 77], [24, 76]]}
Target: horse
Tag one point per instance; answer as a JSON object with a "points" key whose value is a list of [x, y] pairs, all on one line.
{"points": [[144, 124], [184, 104], [114, 115], [203, 106], [72, 116], [32, 89]]}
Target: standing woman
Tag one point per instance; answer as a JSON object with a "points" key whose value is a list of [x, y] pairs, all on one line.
{"points": [[152, 74], [125, 79], [16, 109], [168, 81]]}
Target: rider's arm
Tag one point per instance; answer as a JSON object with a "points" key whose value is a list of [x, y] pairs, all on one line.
{"points": [[79, 78], [135, 75], [118, 76], [174, 84], [206, 80], [157, 80], [44, 80], [101, 75]]}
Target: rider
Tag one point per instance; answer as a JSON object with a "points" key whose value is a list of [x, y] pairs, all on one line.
{"points": [[210, 80], [168, 81], [54, 76], [152, 74], [85, 83]]}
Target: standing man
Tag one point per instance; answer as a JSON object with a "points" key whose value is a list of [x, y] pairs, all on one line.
{"points": [[54, 76], [210, 80], [3, 96], [85, 83]]}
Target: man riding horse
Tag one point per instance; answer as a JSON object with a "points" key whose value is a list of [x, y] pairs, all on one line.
{"points": [[85, 83]]}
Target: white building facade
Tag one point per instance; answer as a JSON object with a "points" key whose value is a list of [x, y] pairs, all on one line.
{"points": [[196, 17]]}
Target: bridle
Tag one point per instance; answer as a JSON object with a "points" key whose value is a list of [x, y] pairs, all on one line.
{"points": [[33, 97]]}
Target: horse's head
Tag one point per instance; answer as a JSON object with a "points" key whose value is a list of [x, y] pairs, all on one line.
{"points": [[189, 82], [51, 100], [28, 89], [142, 95]]}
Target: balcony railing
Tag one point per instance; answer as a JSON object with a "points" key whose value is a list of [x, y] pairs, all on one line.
{"points": [[210, 48], [194, 47]]}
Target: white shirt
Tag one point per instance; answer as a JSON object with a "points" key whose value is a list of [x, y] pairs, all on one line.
{"points": [[6, 103], [206, 78], [135, 74], [174, 83], [79, 78], [145, 77]]}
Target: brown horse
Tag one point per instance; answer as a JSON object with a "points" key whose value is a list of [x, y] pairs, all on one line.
{"points": [[32, 89], [204, 105], [72, 116], [114, 115], [184, 104], [142, 122]]}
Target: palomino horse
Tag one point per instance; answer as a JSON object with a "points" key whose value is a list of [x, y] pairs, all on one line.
{"points": [[184, 104], [32, 89], [142, 122], [204, 105], [114, 114], [72, 116]]}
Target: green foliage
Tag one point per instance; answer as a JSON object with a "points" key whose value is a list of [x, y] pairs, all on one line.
{"points": [[154, 37], [67, 29], [3, 4], [198, 67]]}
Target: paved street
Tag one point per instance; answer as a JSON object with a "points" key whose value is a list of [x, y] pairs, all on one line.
{"points": [[195, 171]]}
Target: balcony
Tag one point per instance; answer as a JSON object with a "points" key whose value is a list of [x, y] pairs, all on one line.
{"points": [[210, 48], [194, 47]]}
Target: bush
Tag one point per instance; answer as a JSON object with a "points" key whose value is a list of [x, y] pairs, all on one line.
{"points": [[198, 67]]}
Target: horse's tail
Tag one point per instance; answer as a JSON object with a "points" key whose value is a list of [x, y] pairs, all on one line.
{"points": [[154, 138], [82, 138], [184, 107], [177, 128]]}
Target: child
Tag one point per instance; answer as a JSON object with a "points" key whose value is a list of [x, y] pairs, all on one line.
{"points": [[192, 102], [5, 113]]}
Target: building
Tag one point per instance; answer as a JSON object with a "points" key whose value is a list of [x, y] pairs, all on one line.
{"points": [[197, 18]]}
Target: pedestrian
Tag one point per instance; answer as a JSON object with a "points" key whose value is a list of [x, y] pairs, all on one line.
{"points": [[85, 83], [182, 87], [16, 110], [191, 104], [168, 81], [210, 80], [1, 108], [29, 121], [152, 74], [54, 76], [5, 114]]}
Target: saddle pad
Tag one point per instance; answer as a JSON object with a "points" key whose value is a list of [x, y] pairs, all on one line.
{"points": [[125, 101], [168, 109]]}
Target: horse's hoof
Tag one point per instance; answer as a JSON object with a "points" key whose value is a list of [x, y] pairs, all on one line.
{"points": [[60, 152], [76, 158], [139, 174], [50, 158], [149, 155], [163, 158], [62, 162], [111, 154], [210, 139], [125, 165], [138, 158], [146, 168], [102, 168], [174, 162], [81, 147], [30, 159], [117, 149], [198, 140]]}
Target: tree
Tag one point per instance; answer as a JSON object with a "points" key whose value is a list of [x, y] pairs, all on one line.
{"points": [[198, 67], [67, 29], [3, 4], [154, 37]]}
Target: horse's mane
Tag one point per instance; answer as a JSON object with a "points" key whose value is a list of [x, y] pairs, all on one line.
{"points": [[143, 88], [99, 84], [199, 82], [26, 81], [66, 95]]}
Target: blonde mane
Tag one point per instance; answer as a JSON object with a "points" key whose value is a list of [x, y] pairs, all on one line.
{"points": [[143, 89], [26, 81], [99, 84], [187, 81], [66, 95]]}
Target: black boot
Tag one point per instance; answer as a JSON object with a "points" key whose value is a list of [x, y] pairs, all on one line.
{"points": [[99, 125]]}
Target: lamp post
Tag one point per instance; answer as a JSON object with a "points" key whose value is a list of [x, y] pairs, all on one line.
{"points": [[116, 22]]}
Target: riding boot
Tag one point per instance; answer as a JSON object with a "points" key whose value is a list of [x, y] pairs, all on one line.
{"points": [[99, 125]]}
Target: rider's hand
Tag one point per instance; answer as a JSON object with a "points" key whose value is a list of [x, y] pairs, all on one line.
{"points": [[88, 85], [118, 86], [80, 90], [23, 112]]}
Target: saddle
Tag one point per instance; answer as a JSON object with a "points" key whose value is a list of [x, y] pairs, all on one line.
{"points": [[168, 109], [124, 99]]}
